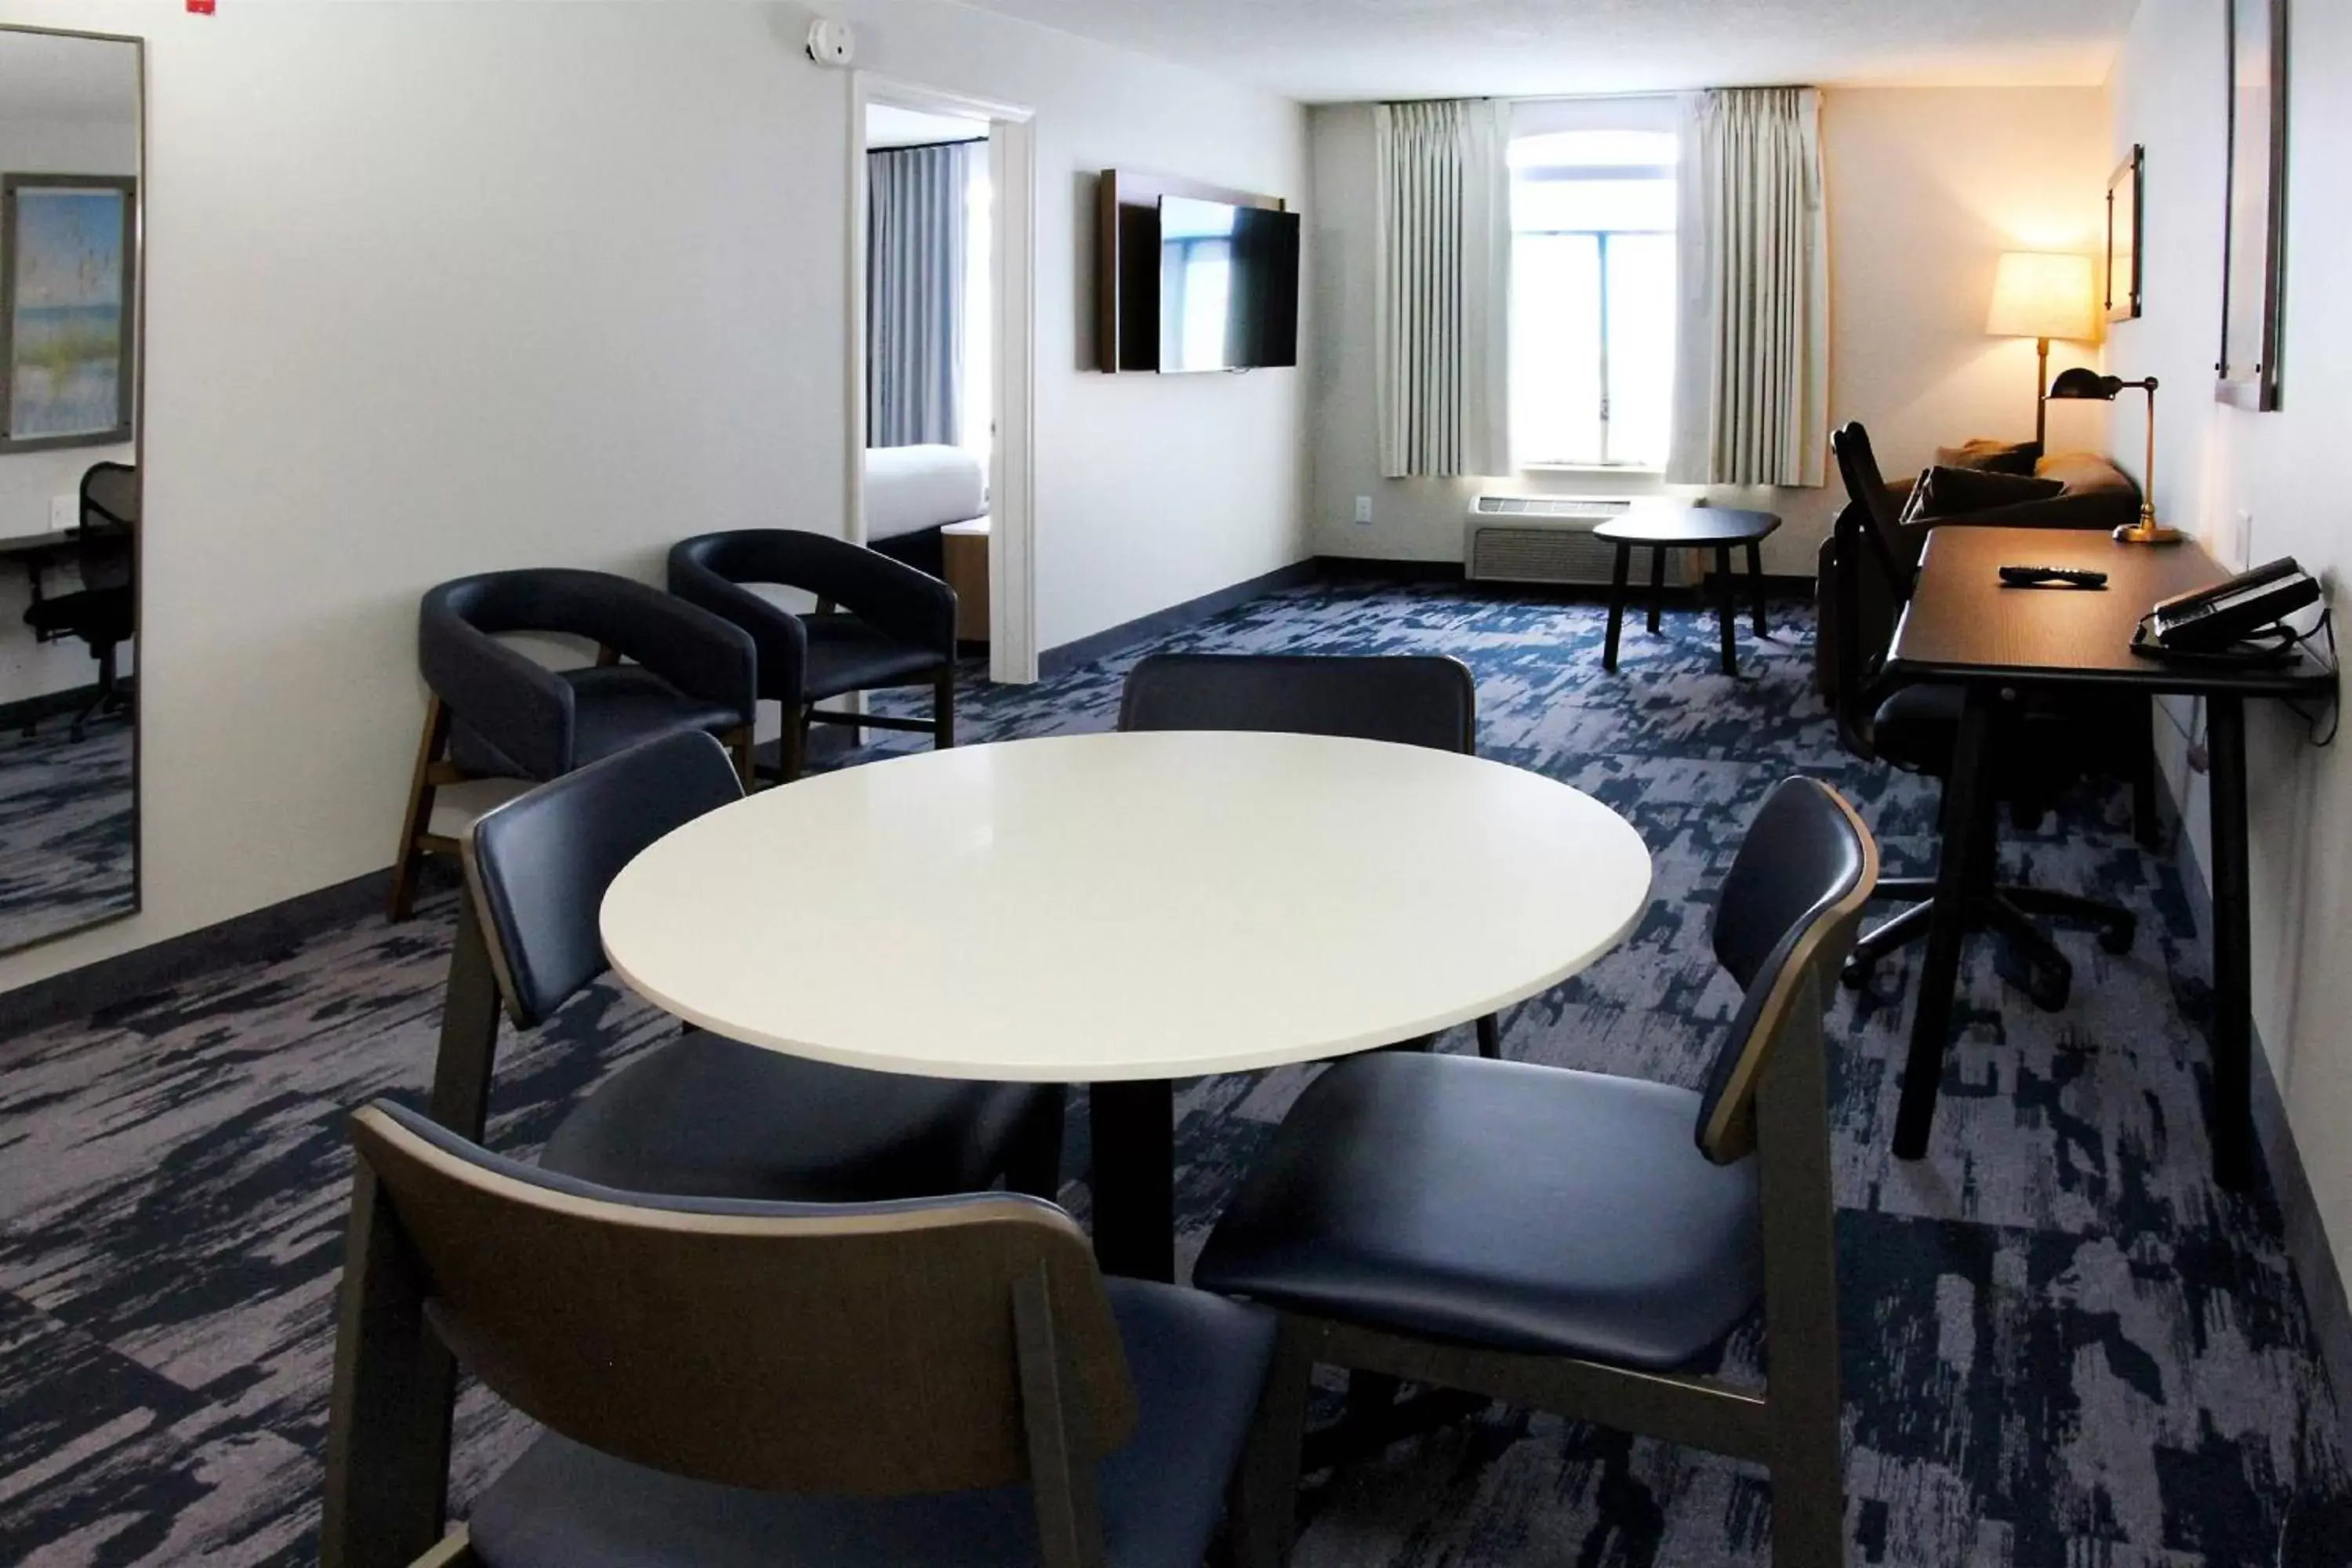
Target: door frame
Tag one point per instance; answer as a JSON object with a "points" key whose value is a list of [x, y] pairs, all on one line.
{"points": [[1012, 507]]}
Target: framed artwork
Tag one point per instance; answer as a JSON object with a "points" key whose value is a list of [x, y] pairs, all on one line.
{"points": [[2254, 271], [2124, 188], [67, 250]]}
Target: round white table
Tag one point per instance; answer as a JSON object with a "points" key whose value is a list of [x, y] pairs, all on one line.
{"points": [[1122, 910]]}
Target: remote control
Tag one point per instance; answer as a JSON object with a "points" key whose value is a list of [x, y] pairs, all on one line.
{"points": [[2036, 576]]}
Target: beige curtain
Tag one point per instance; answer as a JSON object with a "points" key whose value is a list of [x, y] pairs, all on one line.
{"points": [[1751, 373], [1443, 288]]}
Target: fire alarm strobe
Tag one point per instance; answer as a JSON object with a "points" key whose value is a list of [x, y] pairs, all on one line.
{"points": [[830, 42]]}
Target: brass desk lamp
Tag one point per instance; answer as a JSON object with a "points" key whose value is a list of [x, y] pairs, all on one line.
{"points": [[2089, 386]]}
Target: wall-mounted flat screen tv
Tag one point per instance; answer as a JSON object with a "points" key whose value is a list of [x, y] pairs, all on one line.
{"points": [[1228, 286]]}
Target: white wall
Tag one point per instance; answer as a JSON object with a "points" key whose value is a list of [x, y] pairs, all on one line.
{"points": [[1926, 188], [2260, 486], [30, 481], [440, 288]]}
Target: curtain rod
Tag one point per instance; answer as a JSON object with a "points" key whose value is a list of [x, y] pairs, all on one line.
{"points": [[927, 146]]}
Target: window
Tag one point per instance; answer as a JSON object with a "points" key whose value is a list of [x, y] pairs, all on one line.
{"points": [[1593, 298]]}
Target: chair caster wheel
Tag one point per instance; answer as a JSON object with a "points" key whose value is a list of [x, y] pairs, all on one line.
{"points": [[2117, 936], [1855, 975], [2049, 988]]}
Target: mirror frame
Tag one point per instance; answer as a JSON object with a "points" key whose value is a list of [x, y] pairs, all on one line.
{"points": [[137, 361]]}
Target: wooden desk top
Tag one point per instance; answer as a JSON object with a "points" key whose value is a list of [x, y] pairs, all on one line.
{"points": [[1694, 527], [1963, 624]]}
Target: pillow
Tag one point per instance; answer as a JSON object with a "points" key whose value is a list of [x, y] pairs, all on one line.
{"points": [[1956, 492], [1992, 456]]}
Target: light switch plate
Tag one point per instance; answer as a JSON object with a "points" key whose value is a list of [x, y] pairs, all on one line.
{"points": [[65, 513], [1363, 508]]}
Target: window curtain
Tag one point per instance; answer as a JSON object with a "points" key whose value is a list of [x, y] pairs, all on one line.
{"points": [[1443, 288], [915, 246], [1751, 373]]}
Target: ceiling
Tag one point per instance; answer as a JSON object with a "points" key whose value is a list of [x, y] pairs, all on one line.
{"points": [[77, 81], [1324, 51]]}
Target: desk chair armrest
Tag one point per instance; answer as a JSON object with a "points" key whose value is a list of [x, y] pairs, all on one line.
{"points": [[518, 705], [776, 633], [890, 596], [703, 654]]}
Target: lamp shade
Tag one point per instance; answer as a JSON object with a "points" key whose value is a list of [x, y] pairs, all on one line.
{"points": [[2044, 294]]}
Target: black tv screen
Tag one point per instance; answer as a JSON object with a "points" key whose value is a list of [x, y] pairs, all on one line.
{"points": [[1228, 286]]}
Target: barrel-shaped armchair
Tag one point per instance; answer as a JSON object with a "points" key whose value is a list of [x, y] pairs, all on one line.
{"points": [[879, 623], [495, 712]]}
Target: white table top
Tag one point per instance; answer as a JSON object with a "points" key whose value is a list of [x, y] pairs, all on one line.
{"points": [[1092, 907]]}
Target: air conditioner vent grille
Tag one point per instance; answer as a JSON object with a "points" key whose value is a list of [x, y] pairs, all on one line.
{"points": [[1598, 511]]}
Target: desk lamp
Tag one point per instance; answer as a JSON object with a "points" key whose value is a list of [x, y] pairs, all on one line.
{"points": [[2091, 386], [2043, 295]]}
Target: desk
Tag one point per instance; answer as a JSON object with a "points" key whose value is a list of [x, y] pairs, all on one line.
{"points": [[41, 552], [1963, 628], [1123, 911]]}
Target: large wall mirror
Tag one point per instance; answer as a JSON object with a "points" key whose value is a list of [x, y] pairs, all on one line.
{"points": [[71, 147]]}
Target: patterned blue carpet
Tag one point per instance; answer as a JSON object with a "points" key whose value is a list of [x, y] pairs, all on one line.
{"points": [[2064, 1344]]}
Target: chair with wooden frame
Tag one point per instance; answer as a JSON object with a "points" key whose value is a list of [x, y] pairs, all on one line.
{"points": [[701, 1116], [1410, 700], [493, 712], [949, 1382], [1553, 1238], [879, 624]]}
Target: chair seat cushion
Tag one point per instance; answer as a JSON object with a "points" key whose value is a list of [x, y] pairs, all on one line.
{"points": [[614, 707], [1497, 1203], [99, 615], [709, 1117], [1916, 727], [844, 654], [1199, 1364]]}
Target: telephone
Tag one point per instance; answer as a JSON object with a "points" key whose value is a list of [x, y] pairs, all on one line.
{"points": [[2214, 620]]}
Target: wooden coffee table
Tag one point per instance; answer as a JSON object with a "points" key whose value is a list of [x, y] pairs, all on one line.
{"points": [[1660, 529]]}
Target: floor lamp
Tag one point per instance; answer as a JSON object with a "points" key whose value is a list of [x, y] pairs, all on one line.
{"points": [[2043, 295]]}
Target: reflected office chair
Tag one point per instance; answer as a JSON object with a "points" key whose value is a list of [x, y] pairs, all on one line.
{"points": [[104, 611], [2036, 753], [1581, 1243], [494, 712], [879, 624], [950, 1383], [702, 1116], [1410, 700]]}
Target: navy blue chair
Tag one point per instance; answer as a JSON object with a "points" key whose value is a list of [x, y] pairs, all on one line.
{"points": [[948, 1383]]}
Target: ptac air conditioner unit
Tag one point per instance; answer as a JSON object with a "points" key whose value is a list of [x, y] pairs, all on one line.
{"points": [[1547, 539]]}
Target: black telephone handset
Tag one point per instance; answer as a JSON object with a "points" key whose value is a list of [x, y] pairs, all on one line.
{"points": [[2214, 619]]}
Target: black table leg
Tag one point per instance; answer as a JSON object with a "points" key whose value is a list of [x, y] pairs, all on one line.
{"points": [[1726, 612], [1134, 1181], [1657, 585], [2233, 1045], [1967, 820], [1617, 574], [1756, 582]]}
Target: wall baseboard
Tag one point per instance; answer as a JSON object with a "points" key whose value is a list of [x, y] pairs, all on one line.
{"points": [[242, 939], [1070, 655], [2307, 1245], [49, 705], [1363, 568]]}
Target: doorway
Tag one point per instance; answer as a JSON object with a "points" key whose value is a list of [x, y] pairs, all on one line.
{"points": [[941, 352]]}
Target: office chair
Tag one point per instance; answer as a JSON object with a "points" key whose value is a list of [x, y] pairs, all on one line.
{"points": [[949, 1382], [2038, 751], [1582, 1243], [494, 712], [702, 1116], [1409, 700], [879, 624], [104, 611]]}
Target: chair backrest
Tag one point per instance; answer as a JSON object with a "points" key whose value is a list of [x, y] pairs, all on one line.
{"points": [[1411, 699], [1865, 485], [857, 1348], [1864, 622], [537, 866], [1789, 906], [110, 519]]}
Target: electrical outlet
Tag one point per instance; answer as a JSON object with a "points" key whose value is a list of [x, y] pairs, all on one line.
{"points": [[65, 515], [1363, 508]]}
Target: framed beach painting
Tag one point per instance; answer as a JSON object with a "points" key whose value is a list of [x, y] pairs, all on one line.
{"points": [[67, 249]]}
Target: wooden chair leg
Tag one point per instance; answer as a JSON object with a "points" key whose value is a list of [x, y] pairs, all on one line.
{"points": [[1263, 1509], [792, 744], [419, 816], [943, 710], [747, 756], [1490, 1036]]}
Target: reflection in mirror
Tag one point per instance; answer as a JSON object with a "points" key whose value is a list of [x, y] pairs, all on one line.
{"points": [[69, 481]]}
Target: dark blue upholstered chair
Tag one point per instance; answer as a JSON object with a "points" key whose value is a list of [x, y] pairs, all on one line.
{"points": [[494, 712], [879, 624], [948, 1382], [1581, 1243]]}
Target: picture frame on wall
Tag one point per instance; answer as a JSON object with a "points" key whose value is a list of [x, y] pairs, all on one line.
{"points": [[2253, 292], [67, 258], [2125, 188]]}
